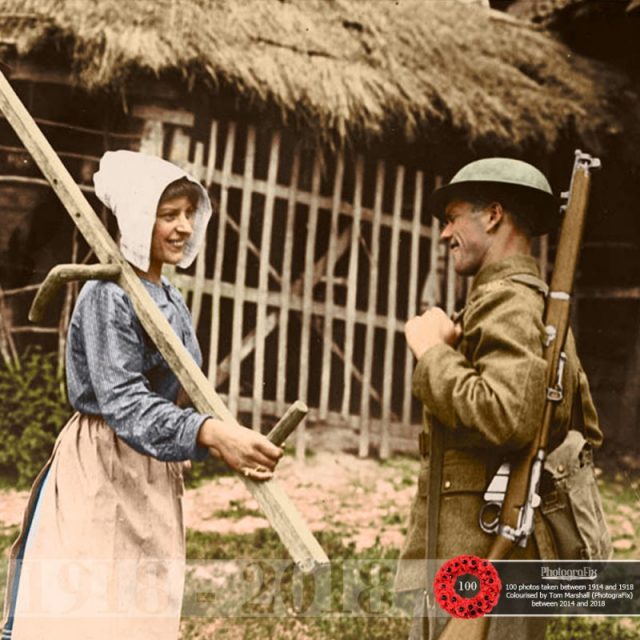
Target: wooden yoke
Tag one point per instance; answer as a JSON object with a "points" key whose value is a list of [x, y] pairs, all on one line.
{"points": [[280, 511]]}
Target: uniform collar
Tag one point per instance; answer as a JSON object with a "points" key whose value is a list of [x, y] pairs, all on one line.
{"points": [[517, 264]]}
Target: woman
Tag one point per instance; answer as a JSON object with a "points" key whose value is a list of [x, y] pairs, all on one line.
{"points": [[103, 537]]}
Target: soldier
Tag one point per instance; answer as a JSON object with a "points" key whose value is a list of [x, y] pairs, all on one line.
{"points": [[482, 385]]}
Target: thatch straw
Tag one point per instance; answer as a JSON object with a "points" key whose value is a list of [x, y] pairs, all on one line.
{"points": [[376, 68]]}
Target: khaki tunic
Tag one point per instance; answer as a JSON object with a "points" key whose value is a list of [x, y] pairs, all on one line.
{"points": [[487, 396]]}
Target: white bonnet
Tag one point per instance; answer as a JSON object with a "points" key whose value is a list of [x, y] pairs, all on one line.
{"points": [[130, 184]]}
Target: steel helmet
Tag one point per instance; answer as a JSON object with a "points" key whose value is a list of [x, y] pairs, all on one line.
{"points": [[502, 176]]}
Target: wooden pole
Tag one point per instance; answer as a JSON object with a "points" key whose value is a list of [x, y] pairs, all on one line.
{"points": [[412, 302], [327, 335], [220, 242], [309, 282], [263, 283], [352, 285], [285, 292], [241, 272], [390, 333], [365, 409], [197, 169], [282, 514]]}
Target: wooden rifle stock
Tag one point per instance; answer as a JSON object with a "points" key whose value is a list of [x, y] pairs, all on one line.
{"points": [[524, 479]]}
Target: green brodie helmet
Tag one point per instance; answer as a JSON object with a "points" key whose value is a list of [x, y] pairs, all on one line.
{"points": [[506, 177]]}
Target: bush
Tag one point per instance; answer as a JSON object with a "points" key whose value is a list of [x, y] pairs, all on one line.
{"points": [[34, 409]]}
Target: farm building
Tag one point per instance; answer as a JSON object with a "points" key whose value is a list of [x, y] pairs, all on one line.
{"points": [[319, 127]]}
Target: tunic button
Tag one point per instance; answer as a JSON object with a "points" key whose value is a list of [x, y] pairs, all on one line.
{"points": [[447, 484], [560, 468]]}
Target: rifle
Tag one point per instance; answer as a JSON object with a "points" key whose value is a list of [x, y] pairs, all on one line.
{"points": [[279, 510], [514, 524]]}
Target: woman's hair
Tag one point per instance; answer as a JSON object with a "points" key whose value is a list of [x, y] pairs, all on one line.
{"points": [[182, 187]]}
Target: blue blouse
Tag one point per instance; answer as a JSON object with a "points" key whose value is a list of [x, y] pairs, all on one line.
{"points": [[114, 370]]}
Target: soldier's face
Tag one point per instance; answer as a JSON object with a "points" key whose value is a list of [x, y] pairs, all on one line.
{"points": [[466, 233]]}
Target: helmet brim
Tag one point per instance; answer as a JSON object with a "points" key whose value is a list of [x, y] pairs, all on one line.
{"points": [[544, 206]]}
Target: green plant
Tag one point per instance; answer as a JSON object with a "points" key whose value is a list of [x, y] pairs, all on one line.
{"points": [[33, 410]]}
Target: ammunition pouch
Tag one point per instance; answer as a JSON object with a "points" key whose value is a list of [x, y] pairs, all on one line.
{"points": [[571, 506]]}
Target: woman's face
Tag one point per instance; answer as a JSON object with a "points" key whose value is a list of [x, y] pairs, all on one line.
{"points": [[173, 227]]}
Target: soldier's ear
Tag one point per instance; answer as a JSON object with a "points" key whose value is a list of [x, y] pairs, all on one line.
{"points": [[495, 217]]}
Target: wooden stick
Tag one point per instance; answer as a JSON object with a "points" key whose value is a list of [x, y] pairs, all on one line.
{"points": [[412, 301], [220, 242], [196, 170], [7, 345], [352, 284], [63, 273], [451, 285], [390, 334], [241, 270], [372, 303], [282, 514], [263, 282], [309, 282], [327, 334], [289, 421], [285, 294]]}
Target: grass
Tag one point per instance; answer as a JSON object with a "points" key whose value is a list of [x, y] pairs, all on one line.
{"points": [[351, 600], [282, 603], [617, 493]]}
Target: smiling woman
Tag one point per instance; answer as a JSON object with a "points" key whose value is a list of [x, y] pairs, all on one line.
{"points": [[103, 536], [173, 226]]}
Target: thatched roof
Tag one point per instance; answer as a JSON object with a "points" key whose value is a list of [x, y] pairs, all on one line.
{"points": [[414, 69], [548, 11]]}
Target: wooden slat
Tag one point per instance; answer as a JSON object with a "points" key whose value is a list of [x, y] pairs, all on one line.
{"points": [[180, 145], [305, 198], [309, 259], [285, 296], [7, 345], [241, 270], [152, 138], [197, 171], [281, 513], [544, 257], [171, 116], [263, 281], [327, 336], [412, 301], [390, 333], [220, 244], [364, 440], [199, 285], [352, 284], [336, 419], [296, 303], [39, 182], [451, 285], [430, 296]]}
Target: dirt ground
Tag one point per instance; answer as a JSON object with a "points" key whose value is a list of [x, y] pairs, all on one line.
{"points": [[361, 498]]}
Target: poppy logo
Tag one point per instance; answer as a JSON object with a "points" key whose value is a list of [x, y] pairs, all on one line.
{"points": [[467, 587]]}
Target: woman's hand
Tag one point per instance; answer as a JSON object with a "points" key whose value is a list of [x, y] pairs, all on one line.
{"points": [[244, 450]]}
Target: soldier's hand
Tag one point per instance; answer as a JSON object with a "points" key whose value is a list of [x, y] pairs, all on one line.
{"points": [[431, 328]]}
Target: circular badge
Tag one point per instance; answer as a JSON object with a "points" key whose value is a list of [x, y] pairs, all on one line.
{"points": [[467, 587]]}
